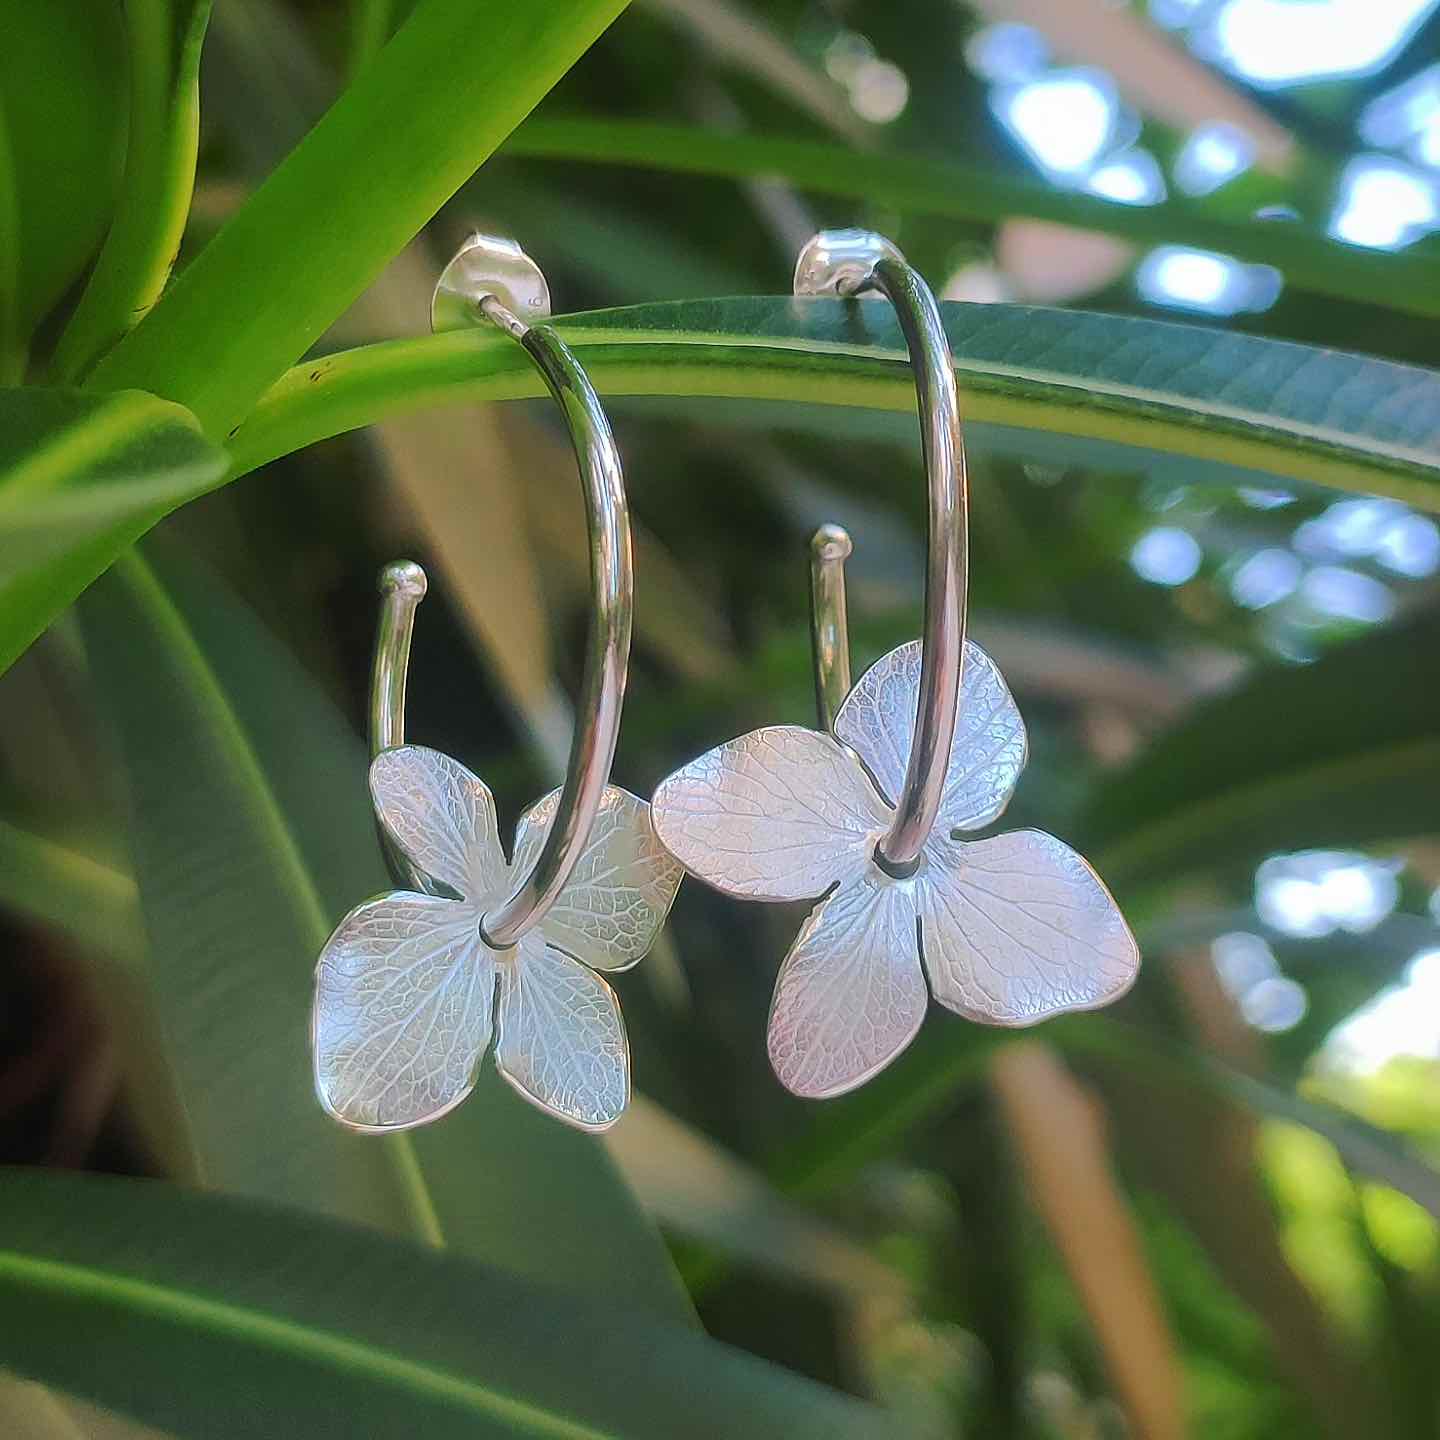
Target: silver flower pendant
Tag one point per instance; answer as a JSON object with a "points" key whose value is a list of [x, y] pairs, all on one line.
{"points": [[413, 986], [408, 993], [1010, 930]]}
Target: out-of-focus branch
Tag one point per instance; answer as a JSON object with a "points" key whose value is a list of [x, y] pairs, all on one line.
{"points": [[1060, 1138]]}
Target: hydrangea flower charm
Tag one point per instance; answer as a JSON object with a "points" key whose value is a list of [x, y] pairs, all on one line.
{"points": [[1010, 930], [408, 993]]}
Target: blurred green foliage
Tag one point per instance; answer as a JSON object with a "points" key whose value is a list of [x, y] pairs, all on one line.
{"points": [[182, 804]]}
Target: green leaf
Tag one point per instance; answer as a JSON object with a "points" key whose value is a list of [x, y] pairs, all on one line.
{"points": [[1173, 1104], [1197, 1149], [371, 22], [948, 1058], [252, 835], [57, 885], [430, 109], [163, 48], [698, 1189], [12, 327], [1067, 387], [208, 1315], [81, 478], [683, 1178], [1345, 751], [1408, 280], [62, 108]]}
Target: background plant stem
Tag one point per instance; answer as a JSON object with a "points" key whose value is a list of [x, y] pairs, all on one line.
{"points": [[438, 100]]}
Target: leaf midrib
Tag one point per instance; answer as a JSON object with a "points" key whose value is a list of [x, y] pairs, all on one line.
{"points": [[342, 391], [231, 1321], [236, 748], [1130, 397]]}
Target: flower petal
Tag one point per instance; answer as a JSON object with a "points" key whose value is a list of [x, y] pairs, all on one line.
{"points": [[442, 817], [403, 995], [562, 1042], [850, 995], [622, 886], [1018, 928], [779, 814], [988, 753]]}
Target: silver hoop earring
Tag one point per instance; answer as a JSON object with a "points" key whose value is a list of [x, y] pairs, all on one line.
{"points": [[867, 813], [412, 985]]}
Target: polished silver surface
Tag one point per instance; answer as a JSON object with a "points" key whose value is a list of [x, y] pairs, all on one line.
{"points": [[850, 995], [484, 274], [402, 588], [621, 888], [830, 547], [1018, 928], [857, 262], [442, 819], [411, 985], [489, 265], [840, 263], [779, 814], [929, 744], [986, 757], [403, 999], [561, 1042], [1010, 930], [408, 992]]}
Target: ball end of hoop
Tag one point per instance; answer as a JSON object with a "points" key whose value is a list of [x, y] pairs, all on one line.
{"points": [[403, 577], [831, 542]]}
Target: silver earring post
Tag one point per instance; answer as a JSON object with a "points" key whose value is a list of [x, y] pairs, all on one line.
{"points": [[851, 263]]}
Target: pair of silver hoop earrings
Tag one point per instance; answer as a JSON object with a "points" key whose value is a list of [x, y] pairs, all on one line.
{"points": [[863, 815]]}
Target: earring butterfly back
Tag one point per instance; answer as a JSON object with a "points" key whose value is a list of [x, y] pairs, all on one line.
{"points": [[413, 985], [867, 814]]}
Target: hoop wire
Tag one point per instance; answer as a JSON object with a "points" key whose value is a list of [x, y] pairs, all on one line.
{"points": [[607, 646], [851, 263]]}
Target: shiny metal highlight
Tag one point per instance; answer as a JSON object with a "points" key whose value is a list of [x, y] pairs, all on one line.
{"points": [[408, 994], [488, 265], [1010, 930], [492, 296], [402, 588], [830, 547], [866, 816], [850, 263], [412, 986]]}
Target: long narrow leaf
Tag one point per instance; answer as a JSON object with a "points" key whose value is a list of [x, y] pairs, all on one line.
{"points": [[62, 95], [1408, 281], [12, 338], [164, 38], [81, 478], [1342, 752], [438, 99], [56, 885], [1067, 387], [252, 835], [214, 1317]]}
